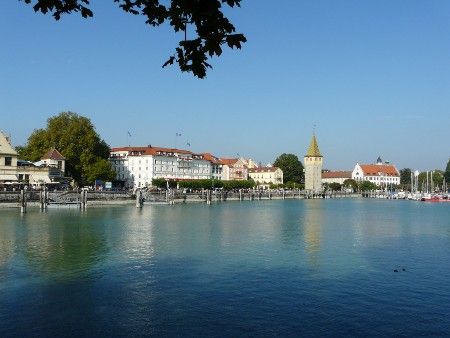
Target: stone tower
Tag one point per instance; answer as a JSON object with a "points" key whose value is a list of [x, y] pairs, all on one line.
{"points": [[313, 161]]}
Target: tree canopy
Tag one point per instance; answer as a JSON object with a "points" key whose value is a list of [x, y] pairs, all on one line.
{"points": [[74, 136], [438, 178], [405, 176], [291, 166], [212, 28], [368, 186], [351, 183], [447, 172]]}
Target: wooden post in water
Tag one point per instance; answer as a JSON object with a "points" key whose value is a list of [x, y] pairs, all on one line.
{"points": [[270, 196], [240, 194], [284, 195], [23, 201], [45, 197], [83, 199], [41, 200], [208, 197], [172, 197], [139, 199]]}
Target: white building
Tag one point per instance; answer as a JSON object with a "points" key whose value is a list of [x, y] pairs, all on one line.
{"points": [[8, 160], [265, 176], [336, 177], [138, 166], [381, 174], [14, 171], [313, 161]]}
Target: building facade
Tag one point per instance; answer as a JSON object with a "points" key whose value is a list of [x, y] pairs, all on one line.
{"points": [[8, 160], [265, 176], [136, 167], [313, 161], [381, 174], [336, 177], [48, 170], [234, 169]]}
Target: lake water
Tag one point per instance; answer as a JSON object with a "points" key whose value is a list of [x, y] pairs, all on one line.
{"points": [[263, 268]]}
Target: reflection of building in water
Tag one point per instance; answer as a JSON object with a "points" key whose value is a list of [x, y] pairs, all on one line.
{"points": [[312, 230], [6, 250]]}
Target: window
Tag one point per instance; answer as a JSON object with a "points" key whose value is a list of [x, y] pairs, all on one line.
{"points": [[60, 164], [8, 161]]}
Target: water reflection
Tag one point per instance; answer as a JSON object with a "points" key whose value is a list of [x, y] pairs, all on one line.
{"points": [[6, 247], [62, 251], [312, 230]]}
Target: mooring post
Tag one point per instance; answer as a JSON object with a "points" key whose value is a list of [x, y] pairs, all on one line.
{"points": [[82, 199], [23, 201], [240, 194], [41, 200], [45, 197], [208, 197], [284, 195], [139, 199], [85, 199]]}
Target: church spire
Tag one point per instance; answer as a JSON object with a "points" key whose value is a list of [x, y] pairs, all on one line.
{"points": [[313, 150]]}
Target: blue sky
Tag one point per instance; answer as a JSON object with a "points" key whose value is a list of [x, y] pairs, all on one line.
{"points": [[373, 76]]}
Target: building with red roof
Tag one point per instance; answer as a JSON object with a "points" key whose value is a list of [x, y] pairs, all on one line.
{"points": [[381, 174], [136, 167], [265, 176]]}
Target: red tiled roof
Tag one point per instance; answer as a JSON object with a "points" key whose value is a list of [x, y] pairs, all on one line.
{"points": [[210, 157], [337, 174], [375, 169], [263, 170], [137, 151], [228, 161], [53, 155]]}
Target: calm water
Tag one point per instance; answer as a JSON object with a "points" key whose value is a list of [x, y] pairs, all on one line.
{"points": [[265, 268]]}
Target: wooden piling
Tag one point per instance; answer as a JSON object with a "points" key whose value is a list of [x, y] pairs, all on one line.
{"points": [[23, 201]]}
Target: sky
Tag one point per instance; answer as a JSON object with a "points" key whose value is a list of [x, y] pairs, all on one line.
{"points": [[372, 78]]}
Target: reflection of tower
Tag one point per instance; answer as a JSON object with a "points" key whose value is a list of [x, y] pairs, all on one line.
{"points": [[312, 231], [313, 167]]}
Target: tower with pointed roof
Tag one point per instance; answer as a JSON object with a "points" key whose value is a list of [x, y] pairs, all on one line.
{"points": [[313, 162]]}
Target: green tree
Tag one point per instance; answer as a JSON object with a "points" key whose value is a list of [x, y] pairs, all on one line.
{"points": [[291, 166], [405, 176], [100, 169], [438, 179], [447, 173], [74, 136], [367, 186], [350, 183], [211, 29], [334, 186], [162, 183]]}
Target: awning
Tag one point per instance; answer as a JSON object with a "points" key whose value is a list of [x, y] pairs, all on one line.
{"points": [[40, 179], [7, 178]]}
